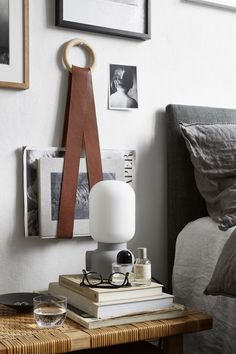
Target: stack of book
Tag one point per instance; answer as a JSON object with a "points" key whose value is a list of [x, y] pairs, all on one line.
{"points": [[99, 307]]}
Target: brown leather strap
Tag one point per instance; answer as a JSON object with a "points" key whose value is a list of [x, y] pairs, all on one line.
{"points": [[80, 125]]}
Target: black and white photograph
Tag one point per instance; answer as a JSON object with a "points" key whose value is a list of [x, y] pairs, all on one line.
{"points": [[123, 92], [4, 32], [82, 194]]}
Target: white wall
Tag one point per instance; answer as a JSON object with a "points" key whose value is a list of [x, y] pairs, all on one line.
{"points": [[190, 59]]}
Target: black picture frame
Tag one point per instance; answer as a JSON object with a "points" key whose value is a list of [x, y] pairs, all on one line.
{"points": [[145, 35]]}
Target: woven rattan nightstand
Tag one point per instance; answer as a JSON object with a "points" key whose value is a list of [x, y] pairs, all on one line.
{"points": [[20, 335]]}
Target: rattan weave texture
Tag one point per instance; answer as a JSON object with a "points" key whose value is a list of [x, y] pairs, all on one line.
{"points": [[19, 333]]}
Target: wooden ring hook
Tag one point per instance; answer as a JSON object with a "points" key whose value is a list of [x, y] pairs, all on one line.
{"points": [[81, 43]]}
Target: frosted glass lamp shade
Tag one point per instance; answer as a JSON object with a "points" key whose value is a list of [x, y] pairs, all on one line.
{"points": [[112, 212]]}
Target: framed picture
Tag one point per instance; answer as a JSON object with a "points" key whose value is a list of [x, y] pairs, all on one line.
{"points": [[35, 171], [123, 92], [125, 18], [230, 4], [14, 44]]}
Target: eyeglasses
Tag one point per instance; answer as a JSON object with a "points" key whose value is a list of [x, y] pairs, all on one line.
{"points": [[95, 280]]}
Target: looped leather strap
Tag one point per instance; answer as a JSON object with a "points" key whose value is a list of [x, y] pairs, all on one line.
{"points": [[80, 128]]}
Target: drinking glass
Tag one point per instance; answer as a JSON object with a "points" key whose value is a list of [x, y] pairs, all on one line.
{"points": [[49, 311]]}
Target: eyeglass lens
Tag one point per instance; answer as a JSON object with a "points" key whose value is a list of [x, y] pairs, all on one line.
{"points": [[117, 279], [92, 278], [95, 279]]}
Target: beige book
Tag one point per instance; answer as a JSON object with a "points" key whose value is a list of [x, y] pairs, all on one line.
{"points": [[72, 281]]}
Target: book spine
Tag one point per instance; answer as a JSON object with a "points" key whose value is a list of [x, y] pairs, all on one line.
{"points": [[77, 300], [90, 309]]}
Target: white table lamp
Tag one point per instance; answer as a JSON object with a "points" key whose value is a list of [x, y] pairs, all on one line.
{"points": [[112, 223]]}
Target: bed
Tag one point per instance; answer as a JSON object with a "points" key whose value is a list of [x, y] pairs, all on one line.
{"points": [[195, 242]]}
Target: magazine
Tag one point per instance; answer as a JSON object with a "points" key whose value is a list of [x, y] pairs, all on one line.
{"points": [[31, 155], [49, 191]]}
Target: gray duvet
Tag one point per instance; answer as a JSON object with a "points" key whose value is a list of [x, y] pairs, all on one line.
{"points": [[198, 249], [223, 280]]}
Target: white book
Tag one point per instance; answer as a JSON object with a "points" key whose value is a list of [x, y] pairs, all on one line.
{"points": [[90, 322], [111, 309]]}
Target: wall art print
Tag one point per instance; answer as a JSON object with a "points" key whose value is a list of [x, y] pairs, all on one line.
{"points": [[125, 18], [14, 44], [123, 91]]}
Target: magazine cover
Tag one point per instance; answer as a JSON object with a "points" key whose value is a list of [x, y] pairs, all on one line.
{"points": [[31, 157]]}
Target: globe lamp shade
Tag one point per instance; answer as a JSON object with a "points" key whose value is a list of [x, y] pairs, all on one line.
{"points": [[112, 212]]}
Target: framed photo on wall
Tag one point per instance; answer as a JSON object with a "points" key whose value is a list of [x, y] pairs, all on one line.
{"points": [[14, 44], [230, 4], [125, 18]]}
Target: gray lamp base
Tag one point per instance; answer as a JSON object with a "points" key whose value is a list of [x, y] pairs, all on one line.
{"points": [[101, 259]]}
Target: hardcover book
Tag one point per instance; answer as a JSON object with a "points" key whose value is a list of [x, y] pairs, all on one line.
{"points": [[113, 308], [90, 322], [72, 281]]}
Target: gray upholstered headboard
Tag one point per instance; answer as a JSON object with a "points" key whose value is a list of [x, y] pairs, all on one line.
{"points": [[184, 201]]}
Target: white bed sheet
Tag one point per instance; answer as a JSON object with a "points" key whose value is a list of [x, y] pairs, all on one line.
{"points": [[198, 248]]}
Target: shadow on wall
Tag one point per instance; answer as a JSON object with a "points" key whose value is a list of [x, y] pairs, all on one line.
{"points": [[151, 204], [64, 74], [60, 115], [50, 13]]}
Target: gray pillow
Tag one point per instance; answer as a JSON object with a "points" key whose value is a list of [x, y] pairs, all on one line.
{"points": [[223, 281], [213, 153]]}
